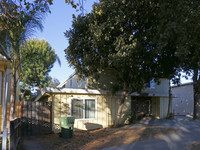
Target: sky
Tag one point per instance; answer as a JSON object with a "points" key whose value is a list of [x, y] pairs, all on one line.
{"points": [[55, 24]]}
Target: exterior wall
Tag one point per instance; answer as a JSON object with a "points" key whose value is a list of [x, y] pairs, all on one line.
{"points": [[164, 103], [161, 89], [155, 107], [6, 77], [107, 107], [73, 83], [160, 107], [183, 101]]}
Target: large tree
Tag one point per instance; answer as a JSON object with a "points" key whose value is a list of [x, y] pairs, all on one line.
{"points": [[178, 26], [115, 40], [17, 19], [16, 23], [37, 59], [189, 47]]}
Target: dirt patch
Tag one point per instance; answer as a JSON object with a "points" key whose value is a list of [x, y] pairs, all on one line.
{"points": [[195, 146], [98, 139]]}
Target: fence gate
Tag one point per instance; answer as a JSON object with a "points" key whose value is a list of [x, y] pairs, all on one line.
{"points": [[36, 118]]}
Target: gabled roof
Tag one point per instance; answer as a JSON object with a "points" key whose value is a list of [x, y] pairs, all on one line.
{"points": [[63, 83]]}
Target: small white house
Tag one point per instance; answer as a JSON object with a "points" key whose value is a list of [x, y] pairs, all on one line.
{"points": [[183, 100], [96, 108]]}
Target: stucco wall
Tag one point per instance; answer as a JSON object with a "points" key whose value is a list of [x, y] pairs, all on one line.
{"points": [[107, 106], [183, 101]]}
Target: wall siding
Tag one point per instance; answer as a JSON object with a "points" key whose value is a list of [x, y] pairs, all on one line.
{"points": [[106, 111], [164, 103], [107, 107], [75, 83], [183, 101], [155, 107]]}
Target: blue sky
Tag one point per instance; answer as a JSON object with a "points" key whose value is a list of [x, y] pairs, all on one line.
{"points": [[55, 25]]}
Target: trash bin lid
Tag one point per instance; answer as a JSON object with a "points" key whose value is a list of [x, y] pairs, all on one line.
{"points": [[66, 121]]}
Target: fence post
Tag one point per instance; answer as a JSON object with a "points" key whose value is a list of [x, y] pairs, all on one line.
{"points": [[4, 143]]}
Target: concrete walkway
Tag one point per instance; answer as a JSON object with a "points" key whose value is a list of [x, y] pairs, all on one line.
{"points": [[189, 133]]}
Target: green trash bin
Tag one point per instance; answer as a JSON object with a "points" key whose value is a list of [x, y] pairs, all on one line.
{"points": [[67, 126]]}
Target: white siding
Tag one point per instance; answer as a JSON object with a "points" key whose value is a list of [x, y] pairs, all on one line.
{"points": [[74, 83], [161, 88], [183, 103], [155, 107], [164, 103]]}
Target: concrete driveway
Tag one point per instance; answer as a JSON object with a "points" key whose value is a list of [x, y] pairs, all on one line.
{"points": [[189, 133]]}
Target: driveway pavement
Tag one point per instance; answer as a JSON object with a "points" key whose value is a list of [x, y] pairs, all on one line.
{"points": [[189, 133]]}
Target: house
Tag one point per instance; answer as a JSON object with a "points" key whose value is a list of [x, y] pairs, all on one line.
{"points": [[5, 92], [183, 101], [94, 108]]}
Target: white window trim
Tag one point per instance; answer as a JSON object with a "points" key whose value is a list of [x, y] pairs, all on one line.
{"points": [[84, 98]]}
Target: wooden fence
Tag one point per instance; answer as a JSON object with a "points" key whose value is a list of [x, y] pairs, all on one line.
{"points": [[36, 118]]}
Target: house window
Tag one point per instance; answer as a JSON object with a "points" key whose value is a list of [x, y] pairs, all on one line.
{"points": [[151, 84], [84, 108], [71, 83]]}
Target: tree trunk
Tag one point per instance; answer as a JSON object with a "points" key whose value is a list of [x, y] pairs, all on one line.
{"points": [[13, 94], [196, 89], [121, 105]]}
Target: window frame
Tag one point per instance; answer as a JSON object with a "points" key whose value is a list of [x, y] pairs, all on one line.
{"points": [[84, 98]]}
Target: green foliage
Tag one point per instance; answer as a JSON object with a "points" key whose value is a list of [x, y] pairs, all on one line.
{"points": [[25, 93], [17, 22], [54, 82], [131, 116], [37, 59], [117, 38], [177, 31]]}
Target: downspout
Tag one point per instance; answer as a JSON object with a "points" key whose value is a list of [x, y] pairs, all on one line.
{"points": [[170, 101], [4, 143]]}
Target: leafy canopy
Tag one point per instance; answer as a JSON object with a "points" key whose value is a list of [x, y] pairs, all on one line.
{"points": [[116, 40], [37, 58]]}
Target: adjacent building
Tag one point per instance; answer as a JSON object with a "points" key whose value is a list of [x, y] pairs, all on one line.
{"points": [[183, 101]]}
